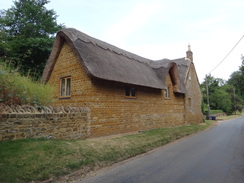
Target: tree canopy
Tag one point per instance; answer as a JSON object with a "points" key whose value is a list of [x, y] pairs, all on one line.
{"points": [[237, 80], [225, 95], [27, 32]]}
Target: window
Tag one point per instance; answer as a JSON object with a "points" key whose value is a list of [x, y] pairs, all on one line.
{"points": [[130, 92], [167, 93], [65, 87]]}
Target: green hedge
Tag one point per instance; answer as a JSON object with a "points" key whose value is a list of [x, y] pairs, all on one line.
{"points": [[215, 111]]}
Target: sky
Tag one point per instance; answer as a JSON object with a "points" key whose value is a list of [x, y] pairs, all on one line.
{"points": [[157, 29]]}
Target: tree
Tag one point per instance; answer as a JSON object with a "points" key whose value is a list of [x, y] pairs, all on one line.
{"points": [[219, 97], [227, 96], [237, 80], [27, 32]]}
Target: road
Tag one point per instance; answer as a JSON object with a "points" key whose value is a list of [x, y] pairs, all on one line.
{"points": [[212, 156]]}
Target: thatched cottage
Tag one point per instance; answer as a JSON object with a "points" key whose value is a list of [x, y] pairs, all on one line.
{"points": [[124, 91]]}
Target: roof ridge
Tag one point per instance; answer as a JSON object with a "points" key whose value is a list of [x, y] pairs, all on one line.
{"points": [[107, 46]]}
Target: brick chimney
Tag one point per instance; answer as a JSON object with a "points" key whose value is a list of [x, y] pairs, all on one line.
{"points": [[189, 53]]}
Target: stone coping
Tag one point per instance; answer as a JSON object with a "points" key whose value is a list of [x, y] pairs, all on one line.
{"points": [[34, 109]]}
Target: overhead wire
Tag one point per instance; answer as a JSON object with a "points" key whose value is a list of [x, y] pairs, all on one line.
{"points": [[208, 115], [226, 55]]}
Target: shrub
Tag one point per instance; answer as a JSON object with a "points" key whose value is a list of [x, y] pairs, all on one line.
{"points": [[216, 111], [17, 90]]}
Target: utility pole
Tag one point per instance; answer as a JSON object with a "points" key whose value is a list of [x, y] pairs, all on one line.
{"points": [[235, 99], [213, 70], [208, 116]]}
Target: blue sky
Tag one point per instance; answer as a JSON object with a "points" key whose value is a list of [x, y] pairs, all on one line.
{"points": [[158, 29]]}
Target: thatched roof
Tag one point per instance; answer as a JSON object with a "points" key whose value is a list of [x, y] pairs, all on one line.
{"points": [[105, 61]]}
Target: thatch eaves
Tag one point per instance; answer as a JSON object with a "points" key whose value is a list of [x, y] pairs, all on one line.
{"points": [[105, 61]]}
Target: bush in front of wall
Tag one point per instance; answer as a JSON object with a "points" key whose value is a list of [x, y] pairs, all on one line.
{"points": [[17, 90]]}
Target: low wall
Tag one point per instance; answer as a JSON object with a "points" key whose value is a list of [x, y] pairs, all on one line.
{"points": [[20, 122]]}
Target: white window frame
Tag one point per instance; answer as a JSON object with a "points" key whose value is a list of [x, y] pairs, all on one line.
{"points": [[65, 87], [167, 92]]}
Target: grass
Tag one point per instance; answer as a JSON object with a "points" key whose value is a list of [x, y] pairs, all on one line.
{"points": [[41, 159], [238, 114], [17, 89]]}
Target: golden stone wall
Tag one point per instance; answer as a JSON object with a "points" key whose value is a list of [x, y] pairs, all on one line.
{"points": [[193, 98], [111, 111], [46, 124]]}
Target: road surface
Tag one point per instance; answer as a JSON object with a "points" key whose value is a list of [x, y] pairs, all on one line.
{"points": [[212, 156]]}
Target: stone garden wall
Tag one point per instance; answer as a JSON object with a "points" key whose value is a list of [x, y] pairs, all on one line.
{"points": [[20, 122]]}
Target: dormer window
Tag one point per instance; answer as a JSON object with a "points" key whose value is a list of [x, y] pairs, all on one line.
{"points": [[130, 92], [167, 93]]}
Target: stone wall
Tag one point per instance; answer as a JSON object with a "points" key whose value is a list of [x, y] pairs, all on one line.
{"points": [[193, 98], [20, 122], [112, 111]]}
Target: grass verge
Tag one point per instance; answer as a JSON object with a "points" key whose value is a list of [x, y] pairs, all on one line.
{"points": [[231, 116], [40, 159]]}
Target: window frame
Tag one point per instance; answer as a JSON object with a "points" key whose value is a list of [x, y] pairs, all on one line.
{"points": [[65, 87], [167, 93], [130, 92]]}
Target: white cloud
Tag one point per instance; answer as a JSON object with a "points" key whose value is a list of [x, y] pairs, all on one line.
{"points": [[139, 16]]}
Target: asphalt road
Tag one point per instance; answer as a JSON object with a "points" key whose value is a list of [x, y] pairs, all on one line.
{"points": [[212, 156]]}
